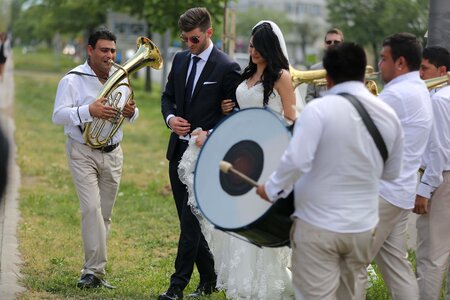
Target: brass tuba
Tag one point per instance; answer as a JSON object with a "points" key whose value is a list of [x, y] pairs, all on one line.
{"points": [[98, 132]]}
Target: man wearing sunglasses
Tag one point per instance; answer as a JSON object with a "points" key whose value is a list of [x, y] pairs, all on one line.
{"points": [[201, 77], [332, 37]]}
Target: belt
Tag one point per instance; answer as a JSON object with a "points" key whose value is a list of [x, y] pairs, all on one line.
{"points": [[109, 148]]}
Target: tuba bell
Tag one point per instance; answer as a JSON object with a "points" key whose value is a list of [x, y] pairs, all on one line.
{"points": [[98, 132]]}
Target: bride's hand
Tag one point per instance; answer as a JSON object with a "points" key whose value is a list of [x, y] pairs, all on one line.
{"points": [[201, 137], [227, 106]]}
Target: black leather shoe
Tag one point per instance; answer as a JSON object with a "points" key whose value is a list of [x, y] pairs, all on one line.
{"points": [[204, 289], [106, 284], [173, 293], [88, 281]]}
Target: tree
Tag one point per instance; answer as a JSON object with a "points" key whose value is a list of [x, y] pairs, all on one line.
{"points": [[40, 20], [368, 22], [163, 15], [245, 21], [438, 24], [5, 14], [307, 31]]}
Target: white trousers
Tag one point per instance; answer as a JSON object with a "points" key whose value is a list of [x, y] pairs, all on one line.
{"points": [[96, 176], [390, 253], [325, 264], [433, 242]]}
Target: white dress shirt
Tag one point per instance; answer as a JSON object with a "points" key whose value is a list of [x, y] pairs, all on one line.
{"points": [[74, 94], [436, 158], [409, 97], [334, 163]]}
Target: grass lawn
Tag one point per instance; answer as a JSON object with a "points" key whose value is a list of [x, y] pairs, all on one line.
{"points": [[144, 233]]}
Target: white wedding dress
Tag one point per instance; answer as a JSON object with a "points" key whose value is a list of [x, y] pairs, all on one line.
{"points": [[244, 271]]}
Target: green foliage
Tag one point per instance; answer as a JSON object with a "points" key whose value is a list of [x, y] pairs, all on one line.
{"points": [[43, 60], [38, 21], [246, 20], [145, 230], [5, 15], [41, 20], [163, 14], [369, 22]]}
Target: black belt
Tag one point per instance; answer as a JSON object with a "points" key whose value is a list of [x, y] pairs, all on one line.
{"points": [[109, 148]]}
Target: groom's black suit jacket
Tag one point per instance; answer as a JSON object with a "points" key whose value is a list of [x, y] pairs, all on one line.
{"points": [[218, 81]]}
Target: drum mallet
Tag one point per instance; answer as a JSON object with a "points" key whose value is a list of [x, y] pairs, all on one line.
{"points": [[226, 167]]}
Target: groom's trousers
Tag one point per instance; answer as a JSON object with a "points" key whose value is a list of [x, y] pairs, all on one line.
{"points": [[192, 246]]}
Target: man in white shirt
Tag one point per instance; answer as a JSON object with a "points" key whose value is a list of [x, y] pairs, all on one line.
{"points": [[408, 95], [95, 172], [433, 193], [334, 167]]}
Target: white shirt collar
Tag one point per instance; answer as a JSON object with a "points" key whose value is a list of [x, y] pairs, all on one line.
{"points": [[206, 53], [403, 77]]}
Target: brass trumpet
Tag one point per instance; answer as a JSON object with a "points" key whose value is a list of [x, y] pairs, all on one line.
{"points": [[98, 132], [317, 77], [437, 82]]}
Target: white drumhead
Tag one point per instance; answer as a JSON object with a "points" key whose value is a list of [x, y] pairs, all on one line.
{"points": [[263, 130]]}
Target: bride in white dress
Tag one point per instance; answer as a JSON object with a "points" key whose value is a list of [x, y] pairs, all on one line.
{"points": [[245, 271]]}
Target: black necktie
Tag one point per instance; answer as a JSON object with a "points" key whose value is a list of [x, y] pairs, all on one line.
{"points": [[190, 82]]}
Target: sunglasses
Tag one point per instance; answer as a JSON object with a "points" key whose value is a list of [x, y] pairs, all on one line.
{"points": [[192, 39], [332, 42]]}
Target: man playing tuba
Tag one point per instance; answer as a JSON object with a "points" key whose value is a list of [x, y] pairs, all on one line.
{"points": [[95, 172]]}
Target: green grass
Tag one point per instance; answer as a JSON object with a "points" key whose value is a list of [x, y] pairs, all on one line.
{"points": [[144, 232], [42, 60]]}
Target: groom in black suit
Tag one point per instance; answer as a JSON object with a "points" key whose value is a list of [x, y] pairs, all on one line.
{"points": [[200, 78]]}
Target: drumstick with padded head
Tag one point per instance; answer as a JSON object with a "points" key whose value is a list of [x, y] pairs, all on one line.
{"points": [[226, 167]]}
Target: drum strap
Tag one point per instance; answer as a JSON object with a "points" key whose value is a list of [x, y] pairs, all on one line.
{"points": [[373, 130]]}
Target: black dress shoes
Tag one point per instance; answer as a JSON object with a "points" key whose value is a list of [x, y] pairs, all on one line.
{"points": [[88, 281], [203, 289], [173, 293]]}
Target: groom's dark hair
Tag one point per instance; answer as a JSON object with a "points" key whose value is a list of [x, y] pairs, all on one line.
{"points": [[196, 17]]}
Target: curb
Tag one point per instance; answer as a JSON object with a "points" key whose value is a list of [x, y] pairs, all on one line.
{"points": [[9, 214]]}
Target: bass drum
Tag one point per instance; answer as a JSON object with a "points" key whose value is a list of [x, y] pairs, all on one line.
{"points": [[253, 141]]}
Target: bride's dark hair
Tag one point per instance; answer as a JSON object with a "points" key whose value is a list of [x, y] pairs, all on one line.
{"points": [[266, 42]]}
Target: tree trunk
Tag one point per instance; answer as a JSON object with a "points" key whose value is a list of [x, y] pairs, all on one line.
{"points": [[148, 75], [376, 52], [439, 24]]}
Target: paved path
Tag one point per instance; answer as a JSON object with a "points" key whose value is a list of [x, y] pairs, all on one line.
{"points": [[9, 213]]}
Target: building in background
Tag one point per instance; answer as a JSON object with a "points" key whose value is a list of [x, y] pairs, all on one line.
{"points": [[305, 42], [127, 29]]}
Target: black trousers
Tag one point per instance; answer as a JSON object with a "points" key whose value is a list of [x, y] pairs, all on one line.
{"points": [[192, 246]]}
